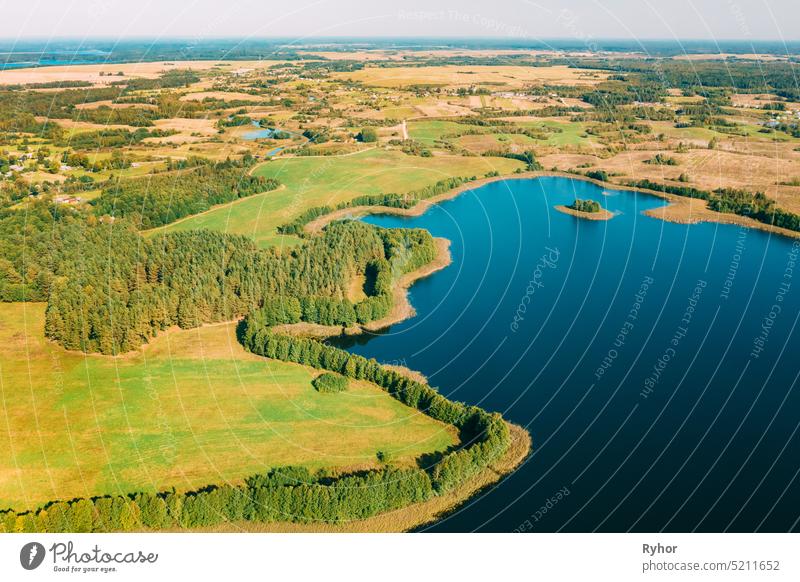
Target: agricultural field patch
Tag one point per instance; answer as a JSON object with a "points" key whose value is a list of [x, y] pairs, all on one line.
{"points": [[189, 409]]}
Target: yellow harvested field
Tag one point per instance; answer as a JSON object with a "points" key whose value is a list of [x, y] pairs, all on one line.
{"points": [[508, 76], [204, 126], [755, 100], [91, 73], [112, 105], [211, 150], [707, 170], [442, 109], [79, 126]]}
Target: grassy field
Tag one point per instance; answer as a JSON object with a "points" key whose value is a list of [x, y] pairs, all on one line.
{"points": [[191, 408], [509, 76], [566, 133], [317, 181], [494, 141]]}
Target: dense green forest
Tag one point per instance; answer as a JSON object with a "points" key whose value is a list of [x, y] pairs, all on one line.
{"points": [[92, 272], [390, 200], [159, 199]]}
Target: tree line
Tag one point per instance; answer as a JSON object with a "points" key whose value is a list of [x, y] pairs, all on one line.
{"points": [[288, 494]]}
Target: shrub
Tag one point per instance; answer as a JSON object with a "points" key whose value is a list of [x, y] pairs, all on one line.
{"points": [[330, 383], [600, 175], [368, 135], [585, 205]]}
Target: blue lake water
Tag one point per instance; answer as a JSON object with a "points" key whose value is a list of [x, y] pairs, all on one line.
{"points": [[264, 133], [23, 59], [653, 363]]}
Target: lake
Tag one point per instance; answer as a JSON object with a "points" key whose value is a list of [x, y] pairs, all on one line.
{"points": [[653, 363], [261, 133]]}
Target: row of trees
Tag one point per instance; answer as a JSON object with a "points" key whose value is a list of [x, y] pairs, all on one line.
{"points": [[109, 138], [287, 494]]}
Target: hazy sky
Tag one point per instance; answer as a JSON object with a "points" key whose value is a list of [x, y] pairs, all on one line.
{"points": [[577, 19]]}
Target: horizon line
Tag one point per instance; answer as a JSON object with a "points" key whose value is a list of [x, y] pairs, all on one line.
{"points": [[391, 37]]}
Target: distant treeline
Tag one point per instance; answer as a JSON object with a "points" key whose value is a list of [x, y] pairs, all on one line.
{"points": [[159, 199], [391, 200], [697, 75]]}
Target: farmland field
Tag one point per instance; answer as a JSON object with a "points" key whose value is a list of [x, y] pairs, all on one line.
{"points": [[328, 180], [189, 409], [456, 75]]}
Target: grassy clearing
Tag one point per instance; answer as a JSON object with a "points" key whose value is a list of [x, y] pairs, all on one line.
{"points": [[317, 181], [567, 133], [430, 131], [494, 141], [189, 409]]}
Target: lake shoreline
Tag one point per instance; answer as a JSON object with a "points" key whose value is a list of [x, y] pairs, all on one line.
{"points": [[412, 517], [679, 209], [401, 306]]}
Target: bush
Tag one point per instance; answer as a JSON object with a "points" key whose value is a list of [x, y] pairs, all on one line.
{"points": [[330, 383], [600, 175], [585, 205], [662, 160], [368, 135]]}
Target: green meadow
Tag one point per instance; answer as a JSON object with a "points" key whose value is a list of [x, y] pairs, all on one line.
{"points": [[189, 409], [329, 180]]}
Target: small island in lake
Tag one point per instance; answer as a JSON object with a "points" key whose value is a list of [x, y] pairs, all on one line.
{"points": [[590, 209]]}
